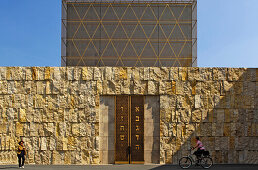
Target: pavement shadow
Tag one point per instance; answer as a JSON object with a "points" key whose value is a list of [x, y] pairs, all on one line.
{"points": [[10, 167]]}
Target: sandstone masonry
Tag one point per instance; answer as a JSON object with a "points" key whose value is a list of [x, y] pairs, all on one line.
{"points": [[55, 110]]}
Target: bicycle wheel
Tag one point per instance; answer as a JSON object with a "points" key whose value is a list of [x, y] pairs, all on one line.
{"points": [[185, 162], [206, 162]]}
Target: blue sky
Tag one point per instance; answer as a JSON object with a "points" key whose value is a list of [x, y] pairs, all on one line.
{"points": [[31, 33]]}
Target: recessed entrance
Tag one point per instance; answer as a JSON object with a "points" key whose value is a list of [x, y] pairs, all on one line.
{"points": [[140, 133], [129, 129]]}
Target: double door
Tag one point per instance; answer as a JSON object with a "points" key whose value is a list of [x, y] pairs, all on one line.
{"points": [[129, 130]]}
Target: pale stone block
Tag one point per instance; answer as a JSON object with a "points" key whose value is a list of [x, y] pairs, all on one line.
{"points": [[153, 87], [98, 73], [43, 143], [108, 73], [198, 101], [146, 71], [173, 74], [35, 143], [2, 73]]}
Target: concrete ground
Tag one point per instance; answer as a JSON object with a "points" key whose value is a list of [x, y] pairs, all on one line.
{"points": [[126, 167]]}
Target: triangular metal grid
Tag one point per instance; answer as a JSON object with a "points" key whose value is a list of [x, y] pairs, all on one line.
{"points": [[105, 24]]}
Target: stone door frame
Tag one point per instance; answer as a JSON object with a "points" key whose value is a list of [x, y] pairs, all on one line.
{"points": [[151, 129]]}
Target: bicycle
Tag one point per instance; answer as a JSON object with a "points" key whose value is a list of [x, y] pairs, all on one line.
{"points": [[205, 160]]}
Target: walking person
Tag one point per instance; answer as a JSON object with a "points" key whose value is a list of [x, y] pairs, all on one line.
{"points": [[200, 148], [21, 154]]}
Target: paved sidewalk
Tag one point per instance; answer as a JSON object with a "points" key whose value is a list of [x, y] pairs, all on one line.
{"points": [[126, 167]]}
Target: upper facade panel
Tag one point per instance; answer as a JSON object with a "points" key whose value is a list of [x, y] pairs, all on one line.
{"points": [[129, 33]]}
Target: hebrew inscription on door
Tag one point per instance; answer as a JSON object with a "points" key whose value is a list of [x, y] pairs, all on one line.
{"points": [[122, 129], [129, 129], [137, 129]]}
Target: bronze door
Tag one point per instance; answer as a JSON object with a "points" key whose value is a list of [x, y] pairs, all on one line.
{"points": [[122, 129], [137, 129], [129, 129]]}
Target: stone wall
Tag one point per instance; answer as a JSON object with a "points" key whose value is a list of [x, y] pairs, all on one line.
{"points": [[56, 110]]}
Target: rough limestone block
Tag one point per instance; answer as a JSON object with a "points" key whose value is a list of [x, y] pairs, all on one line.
{"points": [[136, 74], [155, 73], [206, 129], [153, 87], [180, 87], [185, 115], [193, 74], [236, 74], [3, 87], [219, 73], [19, 129], [220, 115], [111, 87], [14, 73], [59, 73], [185, 101], [108, 73], [183, 73], [87, 73], [2, 73], [173, 74], [98, 73], [22, 115], [49, 73], [120, 73], [75, 129], [197, 101], [217, 129], [71, 143], [125, 87], [12, 87], [196, 115], [251, 74], [146, 73], [205, 74], [140, 87]]}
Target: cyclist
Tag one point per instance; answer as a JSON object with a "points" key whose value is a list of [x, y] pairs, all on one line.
{"points": [[200, 149]]}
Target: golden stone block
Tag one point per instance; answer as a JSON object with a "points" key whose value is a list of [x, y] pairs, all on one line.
{"points": [[22, 115]]}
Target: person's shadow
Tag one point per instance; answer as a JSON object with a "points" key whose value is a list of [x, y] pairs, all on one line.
{"points": [[10, 167]]}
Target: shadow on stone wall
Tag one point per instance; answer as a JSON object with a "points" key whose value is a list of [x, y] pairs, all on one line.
{"points": [[224, 116]]}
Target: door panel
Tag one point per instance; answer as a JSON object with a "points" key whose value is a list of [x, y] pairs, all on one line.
{"points": [[137, 129], [129, 129], [122, 129]]}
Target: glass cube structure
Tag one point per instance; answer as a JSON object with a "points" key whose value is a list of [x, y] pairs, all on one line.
{"points": [[160, 33]]}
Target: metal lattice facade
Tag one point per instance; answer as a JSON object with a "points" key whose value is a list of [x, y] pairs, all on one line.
{"points": [[129, 33]]}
